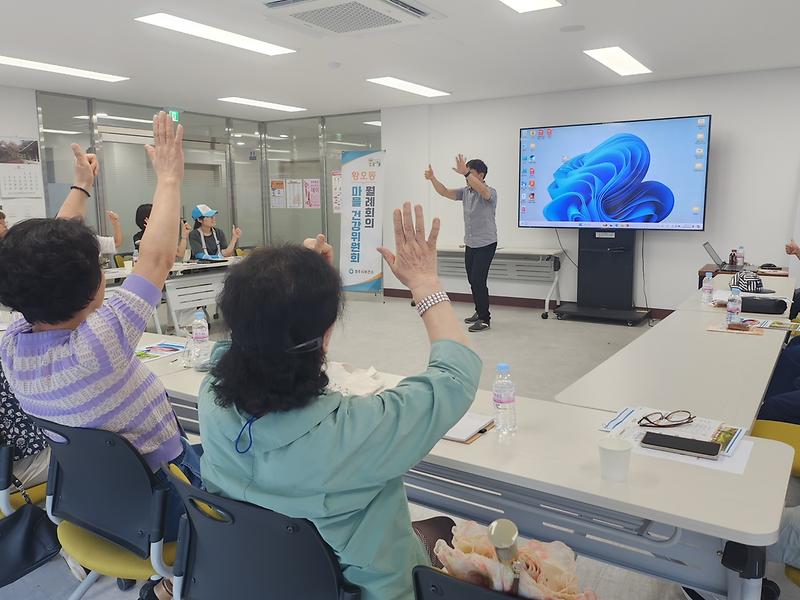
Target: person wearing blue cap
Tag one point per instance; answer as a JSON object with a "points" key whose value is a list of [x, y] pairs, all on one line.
{"points": [[207, 240]]}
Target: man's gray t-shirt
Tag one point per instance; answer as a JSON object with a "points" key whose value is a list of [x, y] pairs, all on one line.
{"points": [[480, 228]]}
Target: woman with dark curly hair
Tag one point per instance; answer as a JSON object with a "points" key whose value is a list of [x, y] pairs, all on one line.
{"points": [[275, 435], [71, 358]]}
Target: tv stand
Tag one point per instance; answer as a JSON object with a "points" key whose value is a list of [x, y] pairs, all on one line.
{"points": [[605, 277]]}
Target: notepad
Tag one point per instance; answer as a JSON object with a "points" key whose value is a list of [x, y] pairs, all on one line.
{"points": [[469, 428]]}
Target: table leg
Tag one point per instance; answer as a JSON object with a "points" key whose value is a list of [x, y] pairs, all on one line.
{"points": [[553, 288], [743, 589], [746, 567]]}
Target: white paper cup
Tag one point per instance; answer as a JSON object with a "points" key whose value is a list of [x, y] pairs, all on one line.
{"points": [[615, 458]]}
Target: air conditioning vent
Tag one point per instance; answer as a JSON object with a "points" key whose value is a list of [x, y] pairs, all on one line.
{"points": [[349, 16]]}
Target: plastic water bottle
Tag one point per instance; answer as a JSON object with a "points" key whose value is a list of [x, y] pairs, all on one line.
{"points": [[201, 345], [740, 256], [503, 393], [735, 307], [135, 257], [708, 288]]}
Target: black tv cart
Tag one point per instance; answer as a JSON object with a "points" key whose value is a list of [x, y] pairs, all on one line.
{"points": [[605, 277]]}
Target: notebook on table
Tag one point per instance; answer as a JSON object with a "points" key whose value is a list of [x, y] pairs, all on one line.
{"points": [[469, 428]]}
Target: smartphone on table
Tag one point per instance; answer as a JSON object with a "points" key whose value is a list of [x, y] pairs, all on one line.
{"points": [[679, 445]]}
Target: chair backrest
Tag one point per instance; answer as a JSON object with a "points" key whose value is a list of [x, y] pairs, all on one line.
{"points": [[432, 584], [100, 482], [119, 261], [254, 551]]}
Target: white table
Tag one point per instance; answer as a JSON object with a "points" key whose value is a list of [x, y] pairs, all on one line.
{"points": [[671, 520], [517, 263], [679, 365], [783, 286], [190, 285]]}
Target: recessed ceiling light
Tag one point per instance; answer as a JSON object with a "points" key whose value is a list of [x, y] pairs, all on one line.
{"points": [[62, 131], [375, 123], [280, 151], [280, 159], [283, 136], [40, 66], [619, 61], [240, 143], [237, 135], [256, 133], [348, 144], [262, 104], [104, 116], [523, 6], [407, 86], [214, 34]]}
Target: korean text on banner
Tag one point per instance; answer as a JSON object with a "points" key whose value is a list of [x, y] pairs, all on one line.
{"points": [[362, 221]]}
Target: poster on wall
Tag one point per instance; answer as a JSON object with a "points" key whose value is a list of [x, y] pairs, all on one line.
{"points": [[361, 266], [294, 193], [277, 193], [311, 193], [336, 191]]}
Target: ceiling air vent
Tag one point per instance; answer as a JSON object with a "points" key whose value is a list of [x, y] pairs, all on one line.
{"points": [[354, 16]]}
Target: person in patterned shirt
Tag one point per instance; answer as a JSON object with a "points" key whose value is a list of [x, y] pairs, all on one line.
{"points": [[31, 454]]}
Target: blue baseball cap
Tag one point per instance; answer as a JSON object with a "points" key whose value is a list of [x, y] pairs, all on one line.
{"points": [[203, 210]]}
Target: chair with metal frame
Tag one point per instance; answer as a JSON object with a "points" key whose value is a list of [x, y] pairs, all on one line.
{"points": [[789, 434], [10, 498], [108, 505], [225, 544]]}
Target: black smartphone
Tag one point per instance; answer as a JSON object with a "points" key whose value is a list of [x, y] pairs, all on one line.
{"points": [[679, 445]]}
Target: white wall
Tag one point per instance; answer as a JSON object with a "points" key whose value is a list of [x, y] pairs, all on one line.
{"points": [[754, 169], [18, 119], [18, 113]]}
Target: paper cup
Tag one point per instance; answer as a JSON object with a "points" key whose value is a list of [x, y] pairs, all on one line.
{"points": [[615, 458]]}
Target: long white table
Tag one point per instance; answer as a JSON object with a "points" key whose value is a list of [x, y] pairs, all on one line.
{"points": [[190, 285], [535, 265], [783, 286], [679, 365], [671, 520]]}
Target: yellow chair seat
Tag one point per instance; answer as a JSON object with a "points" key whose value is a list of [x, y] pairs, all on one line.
{"points": [[37, 495], [792, 574], [788, 433], [107, 558]]}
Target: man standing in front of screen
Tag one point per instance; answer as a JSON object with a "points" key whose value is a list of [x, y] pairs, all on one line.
{"points": [[480, 231]]}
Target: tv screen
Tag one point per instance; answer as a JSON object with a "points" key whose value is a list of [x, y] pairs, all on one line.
{"points": [[629, 174]]}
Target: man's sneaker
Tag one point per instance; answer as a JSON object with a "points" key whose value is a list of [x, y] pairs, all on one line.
{"points": [[479, 326], [473, 319]]}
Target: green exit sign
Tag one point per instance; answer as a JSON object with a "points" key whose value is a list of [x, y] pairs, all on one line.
{"points": [[175, 114]]}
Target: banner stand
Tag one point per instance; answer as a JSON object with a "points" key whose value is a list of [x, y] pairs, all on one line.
{"points": [[360, 265]]}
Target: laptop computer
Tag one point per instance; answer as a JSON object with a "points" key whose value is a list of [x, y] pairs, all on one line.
{"points": [[715, 258]]}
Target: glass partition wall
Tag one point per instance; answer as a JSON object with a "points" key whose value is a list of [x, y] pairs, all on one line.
{"points": [[271, 179]]}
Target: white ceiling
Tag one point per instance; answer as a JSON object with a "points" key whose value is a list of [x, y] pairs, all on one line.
{"points": [[482, 49]]}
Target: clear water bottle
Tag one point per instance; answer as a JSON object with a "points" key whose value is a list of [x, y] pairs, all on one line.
{"points": [[201, 345], [503, 393], [735, 307], [740, 256], [135, 257], [708, 288]]}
